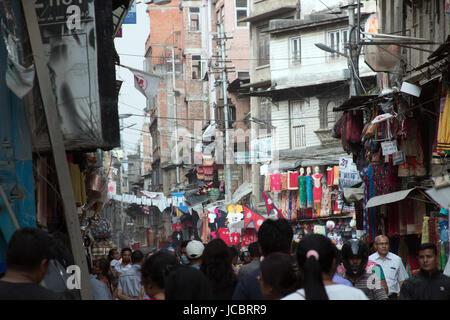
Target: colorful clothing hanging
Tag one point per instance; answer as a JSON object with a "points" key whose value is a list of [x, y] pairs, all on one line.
{"points": [[444, 126], [336, 175], [326, 201], [302, 191], [309, 192], [330, 176], [275, 182], [284, 179], [293, 180], [317, 189]]}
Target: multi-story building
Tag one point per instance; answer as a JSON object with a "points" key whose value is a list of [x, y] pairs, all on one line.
{"points": [[307, 83], [260, 13]]}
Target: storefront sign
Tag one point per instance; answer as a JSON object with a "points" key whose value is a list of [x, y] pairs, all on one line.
{"points": [[398, 158], [348, 173], [130, 18], [389, 147]]}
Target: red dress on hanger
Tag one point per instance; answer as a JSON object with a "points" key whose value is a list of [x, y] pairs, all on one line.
{"points": [[317, 188]]}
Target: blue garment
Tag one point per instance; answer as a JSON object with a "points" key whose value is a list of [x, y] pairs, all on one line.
{"points": [[196, 266], [130, 281], [248, 287], [309, 192], [99, 289], [338, 279]]}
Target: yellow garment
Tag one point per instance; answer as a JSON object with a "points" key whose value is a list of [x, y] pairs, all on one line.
{"points": [[444, 126], [425, 234], [239, 208], [231, 208], [336, 175]]}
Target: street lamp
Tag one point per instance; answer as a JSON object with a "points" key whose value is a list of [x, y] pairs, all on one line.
{"points": [[328, 49], [157, 2]]}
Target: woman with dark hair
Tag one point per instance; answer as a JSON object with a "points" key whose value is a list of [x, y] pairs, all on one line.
{"points": [[316, 259], [187, 283], [217, 267], [155, 271], [278, 276], [101, 273]]}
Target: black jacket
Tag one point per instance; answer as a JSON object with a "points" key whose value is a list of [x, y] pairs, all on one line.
{"points": [[426, 286]]}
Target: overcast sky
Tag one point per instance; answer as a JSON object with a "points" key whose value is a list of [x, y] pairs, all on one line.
{"points": [[131, 49]]}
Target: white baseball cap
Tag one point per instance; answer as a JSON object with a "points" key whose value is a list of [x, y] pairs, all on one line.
{"points": [[194, 249]]}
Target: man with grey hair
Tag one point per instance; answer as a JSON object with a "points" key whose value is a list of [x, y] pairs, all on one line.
{"points": [[392, 265]]}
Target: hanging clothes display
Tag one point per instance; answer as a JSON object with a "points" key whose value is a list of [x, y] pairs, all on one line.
{"points": [[336, 175], [302, 191], [325, 208], [443, 141], [284, 182], [330, 176], [293, 180], [275, 182], [309, 192], [317, 189]]}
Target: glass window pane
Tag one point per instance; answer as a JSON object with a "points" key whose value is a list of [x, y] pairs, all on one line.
{"points": [[241, 3], [241, 14]]}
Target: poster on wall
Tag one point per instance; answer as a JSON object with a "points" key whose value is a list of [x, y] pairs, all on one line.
{"points": [[348, 173], [71, 47]]}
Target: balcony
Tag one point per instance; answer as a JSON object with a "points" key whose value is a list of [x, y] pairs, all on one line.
{"points": [[325, 137]]}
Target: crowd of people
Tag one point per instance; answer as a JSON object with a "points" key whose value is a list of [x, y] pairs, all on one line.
{"points": [[273, 268]]}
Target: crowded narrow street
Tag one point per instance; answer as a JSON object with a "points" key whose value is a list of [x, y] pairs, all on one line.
{"points": [[224, 154]]}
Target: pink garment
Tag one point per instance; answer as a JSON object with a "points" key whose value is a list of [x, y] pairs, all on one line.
{"points": [[275, 182], [317, 188]]}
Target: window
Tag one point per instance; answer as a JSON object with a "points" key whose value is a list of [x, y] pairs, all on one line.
{"points": [[243, 74], [299, 136], [241, 12], [296, 55], [338, 40], [297, 127], [196, 67], [263, 48], [194, 19]]}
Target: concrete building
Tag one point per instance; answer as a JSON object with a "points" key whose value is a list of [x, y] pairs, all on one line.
{"points": [[307, 83], [260, 13]]}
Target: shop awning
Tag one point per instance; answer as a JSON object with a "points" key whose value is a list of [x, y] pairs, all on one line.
{"points": [[441, 196], [356, 102], [388, 198], [269, 13]]}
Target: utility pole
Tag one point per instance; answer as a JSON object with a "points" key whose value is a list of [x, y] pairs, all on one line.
{"points": [[227, 170], [353, 58], [175, 108]]}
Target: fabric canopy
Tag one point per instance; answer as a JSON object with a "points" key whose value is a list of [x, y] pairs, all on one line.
{"points": [[388, 198]]}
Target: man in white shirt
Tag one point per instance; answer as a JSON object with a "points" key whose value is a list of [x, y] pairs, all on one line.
{"points": [[392, 265]]}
